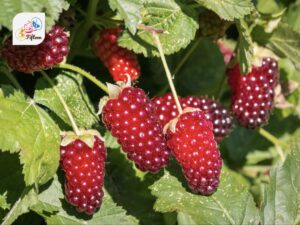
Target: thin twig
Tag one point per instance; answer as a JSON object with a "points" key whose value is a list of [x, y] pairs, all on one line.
{"points": [[167, 70], [84, 74], [270, 137]]}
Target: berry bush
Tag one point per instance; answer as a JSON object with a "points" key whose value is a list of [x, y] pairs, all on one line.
{"points": [[174, 112]]}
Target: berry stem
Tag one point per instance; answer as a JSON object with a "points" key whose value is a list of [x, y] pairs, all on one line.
{"points": [[71, 118], [14, 81], [167, 70], [84, 74], [221, 87], [278, 144], [183, 61]]}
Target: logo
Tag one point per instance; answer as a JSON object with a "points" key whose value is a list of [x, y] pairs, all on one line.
{"points": [[28, 28]]}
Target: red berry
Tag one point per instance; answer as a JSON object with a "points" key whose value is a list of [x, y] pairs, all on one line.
{"points": [[84, 169], [131, 119], [253, 94], [119, 61], [192, 142], [165, 108], [215, 112], [29, 59]]}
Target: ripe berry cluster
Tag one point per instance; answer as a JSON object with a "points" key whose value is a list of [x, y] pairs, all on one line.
{"points": [[119, 61], [149, 130], [84, 169], [133, 119], [29, 59], [253, 94]]}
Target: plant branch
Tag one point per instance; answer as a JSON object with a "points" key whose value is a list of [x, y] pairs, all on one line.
{"points": [[270, 137], [167, 70], [71, 118], [84, 74]]}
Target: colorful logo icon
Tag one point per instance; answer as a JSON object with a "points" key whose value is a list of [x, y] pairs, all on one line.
{"points": [[28, 28]]}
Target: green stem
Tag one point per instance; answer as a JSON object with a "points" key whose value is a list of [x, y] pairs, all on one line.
{"points": [[270, 137], [183, 61], [167, 70], [14, 81], [15, 211], [221, 87], [91, 11], [71, 118], [84, 74]]}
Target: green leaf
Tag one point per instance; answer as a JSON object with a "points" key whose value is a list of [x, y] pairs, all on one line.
{"points": [[56, 210], [21, 206], [282, 196], [231, 204], [129, 10], [30, 131], [271, 6], [120, 173], [204, 71], [245, 51], [285, 42], [179, 23], [110, 141], [229, 9], [11, 178], [3, 201], [4, 73], [292, 16], [288, 73], [185, 219], [240, 142], [71, 88], [52, 9]]}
